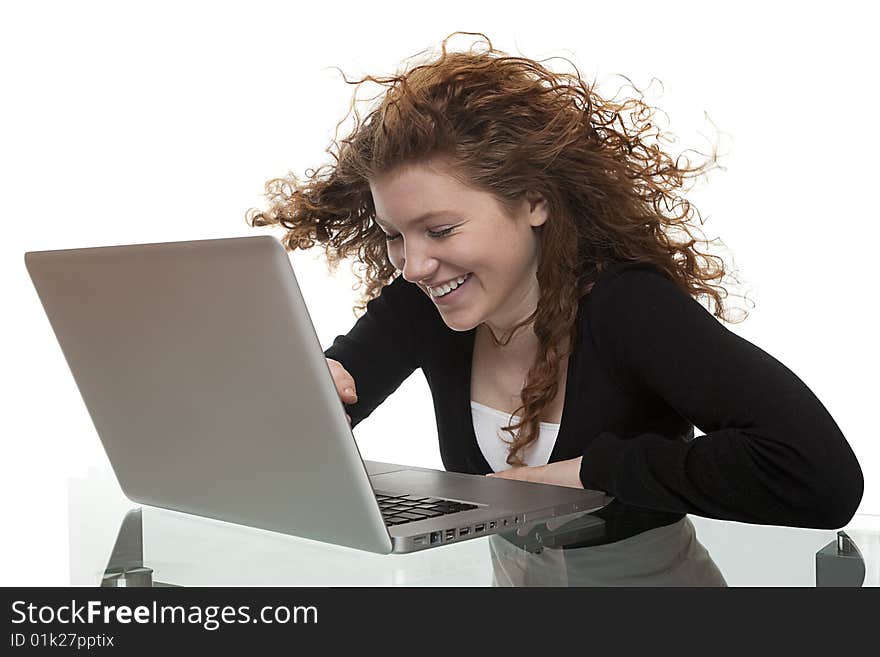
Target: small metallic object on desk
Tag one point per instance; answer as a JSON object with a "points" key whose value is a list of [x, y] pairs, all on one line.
{"points": [[840, 563], [129, 578], [581, 531]]}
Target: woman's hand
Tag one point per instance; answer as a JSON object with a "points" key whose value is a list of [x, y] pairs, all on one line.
{"points": [[344, 384], [561, 473]]}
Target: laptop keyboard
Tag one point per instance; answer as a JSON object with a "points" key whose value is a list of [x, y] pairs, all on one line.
{"points": [[398, 509]]}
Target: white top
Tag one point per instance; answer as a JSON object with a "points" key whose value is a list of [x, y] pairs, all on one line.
{"points": [[495, 443]]}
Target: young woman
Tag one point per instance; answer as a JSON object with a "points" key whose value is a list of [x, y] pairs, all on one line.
{"points": [[530, 253]]}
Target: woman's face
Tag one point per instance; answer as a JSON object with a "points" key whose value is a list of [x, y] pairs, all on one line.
{"points": [[440, 230]]}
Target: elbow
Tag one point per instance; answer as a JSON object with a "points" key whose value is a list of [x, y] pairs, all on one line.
{"points": [[824, 489], [839, 499], [839, 515]]}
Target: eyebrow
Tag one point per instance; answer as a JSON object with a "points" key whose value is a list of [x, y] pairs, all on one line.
{"points": [[422, 218]]}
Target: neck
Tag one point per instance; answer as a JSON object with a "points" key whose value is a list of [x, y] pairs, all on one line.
{"points": [[523, 343]]}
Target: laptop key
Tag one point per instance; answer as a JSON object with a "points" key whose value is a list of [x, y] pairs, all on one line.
{"points": [[442, 508], [423, 507]]}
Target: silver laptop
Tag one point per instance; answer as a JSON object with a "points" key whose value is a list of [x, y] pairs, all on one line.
{"points": [[205, 380]]}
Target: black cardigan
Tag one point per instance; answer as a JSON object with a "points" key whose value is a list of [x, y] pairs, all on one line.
{"points": [[648, 365]]}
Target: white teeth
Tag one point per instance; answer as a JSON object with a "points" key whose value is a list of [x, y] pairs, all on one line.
{"points": [[446, 288]]}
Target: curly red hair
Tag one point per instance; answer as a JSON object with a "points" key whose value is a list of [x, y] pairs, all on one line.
{"points": [[509, 125]]}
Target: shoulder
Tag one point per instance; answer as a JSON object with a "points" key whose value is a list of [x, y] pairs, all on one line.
{"points": [[636, 301], [625, 284], [635, 316]]}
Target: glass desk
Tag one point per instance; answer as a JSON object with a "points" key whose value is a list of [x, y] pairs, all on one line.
{"points": [[114, 542]]}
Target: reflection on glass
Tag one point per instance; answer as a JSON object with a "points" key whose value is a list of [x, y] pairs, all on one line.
{"points": [[113, 545], [573, 554], [568, 551], [126, 566]]}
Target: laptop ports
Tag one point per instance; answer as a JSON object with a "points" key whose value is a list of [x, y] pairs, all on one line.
{"points": [[464, 531], [435, 537], [479, 528], [492, 525], [450, 534]]}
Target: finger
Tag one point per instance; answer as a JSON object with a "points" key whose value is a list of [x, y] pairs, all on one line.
{"points": [[343, 380]]}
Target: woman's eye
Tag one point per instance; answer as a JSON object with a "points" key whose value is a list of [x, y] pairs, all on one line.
{"points": [[439, 233]]}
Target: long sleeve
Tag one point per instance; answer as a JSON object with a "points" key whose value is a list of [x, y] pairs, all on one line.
{"points": [[380, 349], [771, 454]]}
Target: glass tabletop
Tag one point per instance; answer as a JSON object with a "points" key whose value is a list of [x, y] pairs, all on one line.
{"points": [[115, 542]]}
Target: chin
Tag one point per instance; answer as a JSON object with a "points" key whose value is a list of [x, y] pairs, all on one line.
{"points": [[460, 325]]}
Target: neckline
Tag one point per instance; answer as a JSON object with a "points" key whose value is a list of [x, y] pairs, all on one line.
{"points": [[469, 343], [506, 416]]}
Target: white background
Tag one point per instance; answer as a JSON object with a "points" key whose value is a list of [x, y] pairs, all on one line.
{"points": [[133, 123]]}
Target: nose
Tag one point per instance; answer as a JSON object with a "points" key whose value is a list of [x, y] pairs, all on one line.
{"points": [[417, 265]]}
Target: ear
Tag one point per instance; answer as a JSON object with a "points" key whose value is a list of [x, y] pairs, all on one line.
{"points": [[537, 209]]}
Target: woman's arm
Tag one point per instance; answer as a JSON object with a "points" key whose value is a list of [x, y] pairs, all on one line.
{"points": [[380, 350], [772, 454]]}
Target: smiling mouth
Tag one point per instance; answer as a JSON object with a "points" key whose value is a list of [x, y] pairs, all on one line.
{"points": [[447, 288]]}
